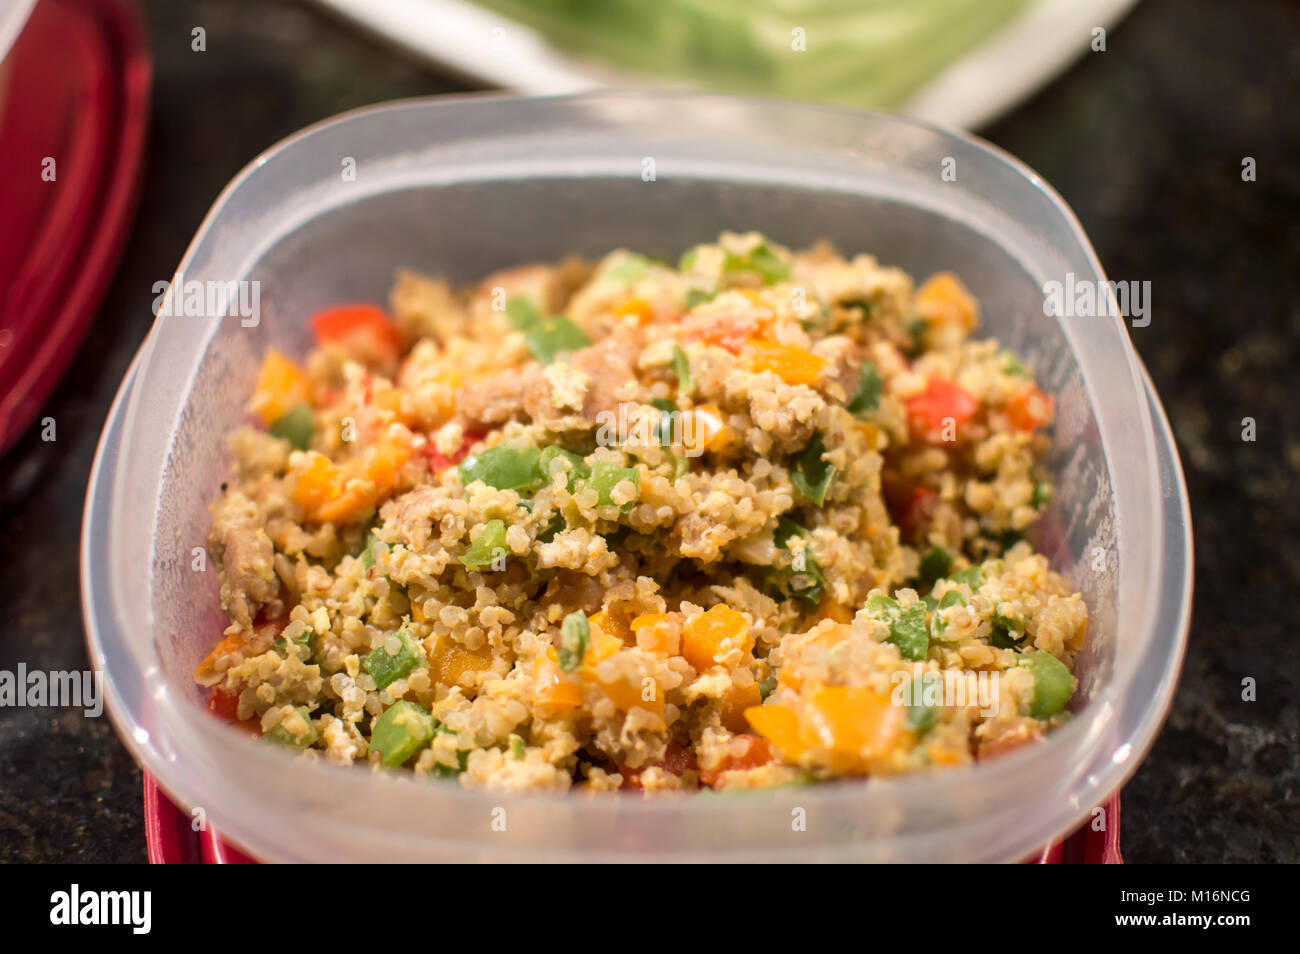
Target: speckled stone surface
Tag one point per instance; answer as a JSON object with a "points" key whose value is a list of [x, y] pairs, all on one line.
{"points": [[1145, 141]]}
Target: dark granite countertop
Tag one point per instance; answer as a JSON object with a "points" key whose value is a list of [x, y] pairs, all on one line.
{"points": [[1145, 141]]}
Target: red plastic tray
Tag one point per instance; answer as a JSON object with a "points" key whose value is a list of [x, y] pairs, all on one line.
{"points": [[173, 840], [78, 93]]}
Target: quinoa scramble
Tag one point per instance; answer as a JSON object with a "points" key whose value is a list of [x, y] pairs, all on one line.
{"points": [[748, 521]]}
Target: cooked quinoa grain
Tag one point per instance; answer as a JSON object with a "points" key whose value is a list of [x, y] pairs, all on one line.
{"points": [[755, 519]]}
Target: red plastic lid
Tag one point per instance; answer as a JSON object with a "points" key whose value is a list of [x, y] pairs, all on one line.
{"points": [[173, 840], [74, 104]]}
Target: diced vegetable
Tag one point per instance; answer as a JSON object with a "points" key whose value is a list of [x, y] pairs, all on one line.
{"points": [[295, 729], [939, 621], [487, 545], [551, 337], [342, 494], [755, 753], [1008, 627], [1009, 619], [554, 688], [281, 387], [767, 686], [920, 714], [504, 468], [856, 726], [224, 705], [706, 429], [1002, 638], [1053, 684], [682, 368], [1042, 495], [676, 761], [867, 306], [915, 332], [791, 364], [575, 637], [385, 667], [438, 461], [304, 639], [517, 747], [1030, 409], [547, 336], [812, 474], [374, 546], [940, 405], [522, 313], [935, 564], [578, 468], [866, 397], [713, 633], [228, 645], [606, 476], [944, 300], [401, 731], [1012, 365], [319, 484], [367, 325], [657, 633], [972, 576], [907, 627], [462, 757], [641, 309], [808, 584], [663, 428], [628, 695], [761, 259], [780, 726], [451, 660]]}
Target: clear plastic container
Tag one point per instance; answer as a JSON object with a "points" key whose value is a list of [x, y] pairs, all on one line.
{"points": [[464, 186]]}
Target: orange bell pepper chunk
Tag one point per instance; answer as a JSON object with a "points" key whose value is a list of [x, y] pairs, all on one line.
{"points": [[856, 726], [706, 429], [451, 661], [713, 633], [230, 644], [612, 624], [639, 307], [281, 386], [658, 633], [320, 483], [1030, 409], [945, 756], [829, 609], [357, 487], [554, 688], [627, 696], [792, 364], [779, 725], [944, 300]]}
